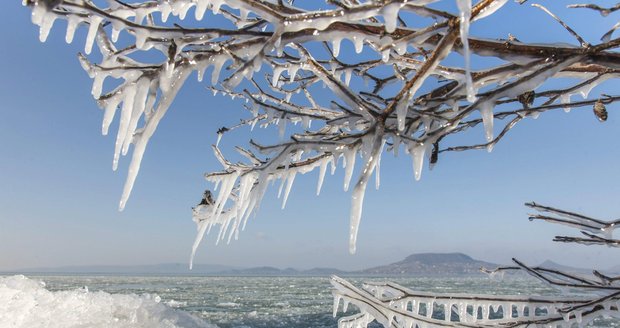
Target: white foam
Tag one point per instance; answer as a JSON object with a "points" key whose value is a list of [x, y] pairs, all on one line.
{"points": [[27, 303]]}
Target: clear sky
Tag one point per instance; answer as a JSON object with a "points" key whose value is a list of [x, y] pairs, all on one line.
{"points": [[59, 196]]}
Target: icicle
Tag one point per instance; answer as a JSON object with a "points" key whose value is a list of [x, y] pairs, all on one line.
{"points": [[486, 111], [289, 183], [347, 75], [358, 41], [141, 36], [116, 30], [322, 170], [215, 6], [92, 33], [401, 48], [72, 23], [201, 7], [417, 153], [140, 100], [465, 9], [277, 71], [129, 93], [225, 190], [151, 125], [165, 9], [385, 55], [401, 112], [378, 174], [98, 79], [219, 138], [390, 16], [336, 304], [180, 8], [349, 165], [110, 110], [357, 197], [292, 72], [202, 228], [565, 99], [47, 21], [39, 11], [306, 122], [200, 72], [243, 14], [281, 127], [336, 46], [218, 63], [485, 312]]}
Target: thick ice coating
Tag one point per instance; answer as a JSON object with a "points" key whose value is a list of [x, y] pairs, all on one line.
{"points": [[25, 303]]}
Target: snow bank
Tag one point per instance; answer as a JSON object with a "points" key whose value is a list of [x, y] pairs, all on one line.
{"points": [[26, 303]]}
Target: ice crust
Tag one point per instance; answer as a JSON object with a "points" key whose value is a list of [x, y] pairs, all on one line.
{"points": [[26, 303]]}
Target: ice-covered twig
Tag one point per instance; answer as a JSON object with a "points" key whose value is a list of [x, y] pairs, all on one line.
{"points": [[591, 240], [581, 41], [603, 11], [580, 221]]}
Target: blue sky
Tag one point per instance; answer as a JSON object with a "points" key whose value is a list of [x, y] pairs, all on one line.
{"points": [[59, 196]]}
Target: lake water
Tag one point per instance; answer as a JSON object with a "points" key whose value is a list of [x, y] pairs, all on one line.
{"points": [[274, 302]]}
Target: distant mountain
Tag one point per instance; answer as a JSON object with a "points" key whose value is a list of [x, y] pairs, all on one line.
{"points": [[423, 264], [432, 264]]}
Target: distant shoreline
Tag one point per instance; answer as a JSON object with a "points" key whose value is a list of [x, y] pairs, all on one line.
{"points": [[416, 265]]}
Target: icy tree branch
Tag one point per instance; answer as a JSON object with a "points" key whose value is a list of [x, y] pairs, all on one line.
{"points": [[276, 55], [395, 306]]}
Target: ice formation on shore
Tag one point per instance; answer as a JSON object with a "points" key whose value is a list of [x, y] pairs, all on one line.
{"points": [[26, 303]]}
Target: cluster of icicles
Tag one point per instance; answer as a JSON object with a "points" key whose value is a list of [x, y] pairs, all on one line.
{"points": [[396, 306], [148, 90]]}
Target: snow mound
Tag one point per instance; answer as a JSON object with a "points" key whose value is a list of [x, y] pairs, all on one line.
{"points": [[26, 303]]}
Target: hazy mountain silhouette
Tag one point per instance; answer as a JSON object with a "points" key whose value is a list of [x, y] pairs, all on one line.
{"points": [[433, 264]]}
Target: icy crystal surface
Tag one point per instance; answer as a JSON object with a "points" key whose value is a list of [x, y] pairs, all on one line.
{"points": [[26, 303]]}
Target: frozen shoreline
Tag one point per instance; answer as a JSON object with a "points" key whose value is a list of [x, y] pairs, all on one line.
{"points": [[27, 303]]}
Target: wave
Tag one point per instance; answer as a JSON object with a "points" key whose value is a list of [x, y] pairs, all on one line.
{"points": [[27, 303]]}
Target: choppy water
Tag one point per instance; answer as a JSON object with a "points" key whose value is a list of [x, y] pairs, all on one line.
{"points": [[276, 302]]}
